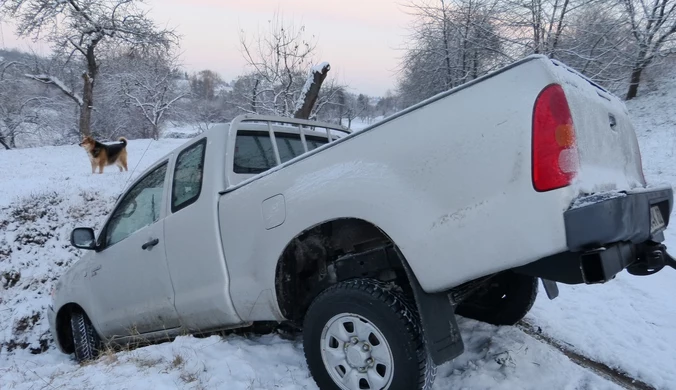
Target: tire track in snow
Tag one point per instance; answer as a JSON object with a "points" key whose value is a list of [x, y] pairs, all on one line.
{"points": [[598, 368]]}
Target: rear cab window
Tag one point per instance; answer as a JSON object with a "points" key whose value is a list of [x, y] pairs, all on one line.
{"points": [[255, 153]]}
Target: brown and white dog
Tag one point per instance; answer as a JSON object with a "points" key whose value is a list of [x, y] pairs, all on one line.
{"points": [[102, 155]]}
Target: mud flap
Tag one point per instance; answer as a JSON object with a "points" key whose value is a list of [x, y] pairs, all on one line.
{"points": [[551, 288], [437, 315]]}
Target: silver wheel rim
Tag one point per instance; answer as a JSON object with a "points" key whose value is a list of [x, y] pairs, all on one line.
{"points": [[356, 354]]}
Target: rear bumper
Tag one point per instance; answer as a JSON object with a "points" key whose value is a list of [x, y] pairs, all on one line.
{"points": [[608, 233], [604, 219]]}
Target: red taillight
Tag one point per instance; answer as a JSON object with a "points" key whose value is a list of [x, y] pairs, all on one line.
{"points": [[555, 160]]}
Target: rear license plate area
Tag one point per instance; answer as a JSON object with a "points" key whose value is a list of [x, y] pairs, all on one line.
{"points": [[656, 219]]}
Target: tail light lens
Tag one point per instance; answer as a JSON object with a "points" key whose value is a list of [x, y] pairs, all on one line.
{"points": [[555, 158]]}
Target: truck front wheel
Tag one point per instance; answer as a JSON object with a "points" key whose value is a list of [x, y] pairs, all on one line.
{"points": [[85, 339], [504, 300], [361, 334]]}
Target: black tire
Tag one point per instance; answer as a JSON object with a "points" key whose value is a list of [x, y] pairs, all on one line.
{"points": [[394, 316], [505, 300], [86, 341]]}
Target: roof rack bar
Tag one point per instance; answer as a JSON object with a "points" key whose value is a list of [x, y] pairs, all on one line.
{"points": [[302, 138], [273, 140], [291, 121]]}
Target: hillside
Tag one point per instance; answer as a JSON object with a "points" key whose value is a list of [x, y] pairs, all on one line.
{"points": [[627, 324]]}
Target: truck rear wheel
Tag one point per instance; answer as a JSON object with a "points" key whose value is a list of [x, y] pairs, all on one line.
{"points": [[360, 334], [505, 300]]}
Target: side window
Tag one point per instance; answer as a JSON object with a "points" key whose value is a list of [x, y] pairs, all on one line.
{"points": [[254, 153], [140, 207], [187, 183], [315, 142]]}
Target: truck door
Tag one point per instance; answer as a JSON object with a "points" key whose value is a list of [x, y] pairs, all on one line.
{"points": [[129, 279], [194, 251]]}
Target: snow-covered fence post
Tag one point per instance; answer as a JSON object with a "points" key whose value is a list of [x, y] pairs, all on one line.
{"points": [[310, 92]]}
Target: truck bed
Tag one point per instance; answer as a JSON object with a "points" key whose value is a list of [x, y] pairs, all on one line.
{"points": [[448, 180]]}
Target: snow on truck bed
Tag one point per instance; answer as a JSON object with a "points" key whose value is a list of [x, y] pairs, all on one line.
{"points": [[627, 324]]}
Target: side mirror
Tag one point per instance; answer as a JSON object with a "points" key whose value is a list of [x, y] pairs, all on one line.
{"points": [[83, 238]]}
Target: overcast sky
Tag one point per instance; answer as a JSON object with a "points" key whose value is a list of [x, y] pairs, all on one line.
{"points": [[360, 38]]}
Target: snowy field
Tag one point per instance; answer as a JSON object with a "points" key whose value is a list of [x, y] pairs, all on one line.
{"points": [[628, 324]]}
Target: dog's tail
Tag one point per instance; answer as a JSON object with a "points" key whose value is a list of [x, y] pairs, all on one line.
{"points": [[123, 140]]}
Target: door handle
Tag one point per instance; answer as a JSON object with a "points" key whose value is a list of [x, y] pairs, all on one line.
{"points": [[150, 244]]}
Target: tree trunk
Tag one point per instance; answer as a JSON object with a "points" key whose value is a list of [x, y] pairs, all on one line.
{"points": [[253, 97], [3, 143], [634, 82], [475, 74], [447, 51], [156, 132], [341, 106], [559, 29], [88, 103], [88, 90], [312, 86]]}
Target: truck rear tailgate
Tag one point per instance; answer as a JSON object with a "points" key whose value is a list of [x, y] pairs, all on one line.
{"points": [[609, 156]]}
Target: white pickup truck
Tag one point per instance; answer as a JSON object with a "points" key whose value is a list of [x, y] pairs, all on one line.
{"points": [[371, 242]]}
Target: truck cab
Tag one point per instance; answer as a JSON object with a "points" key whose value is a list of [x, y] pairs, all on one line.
{"points": [[143, 275]]}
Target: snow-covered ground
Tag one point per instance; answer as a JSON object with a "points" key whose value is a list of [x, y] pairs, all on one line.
{"points": [[629, 323]]}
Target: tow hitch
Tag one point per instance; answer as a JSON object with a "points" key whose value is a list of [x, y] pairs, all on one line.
{"points": [[602, 264], [652, 257]]}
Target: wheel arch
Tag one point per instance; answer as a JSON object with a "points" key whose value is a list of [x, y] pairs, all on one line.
{"points": [[311, 252], [298, 280], [63, 328]]}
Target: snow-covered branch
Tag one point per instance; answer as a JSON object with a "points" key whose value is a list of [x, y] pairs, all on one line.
{"points": [[52, 80]]}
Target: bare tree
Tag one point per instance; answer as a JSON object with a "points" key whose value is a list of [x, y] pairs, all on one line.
{"points": [[150, 86], [19, 105], [653, 24], [353, 109], [327, 98], [364, 107], [204, 85], [244, 93], [598, 43], [81, 27], [279, 62], [206, 114], [16, 113], [612, 42], [451, 42]]}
